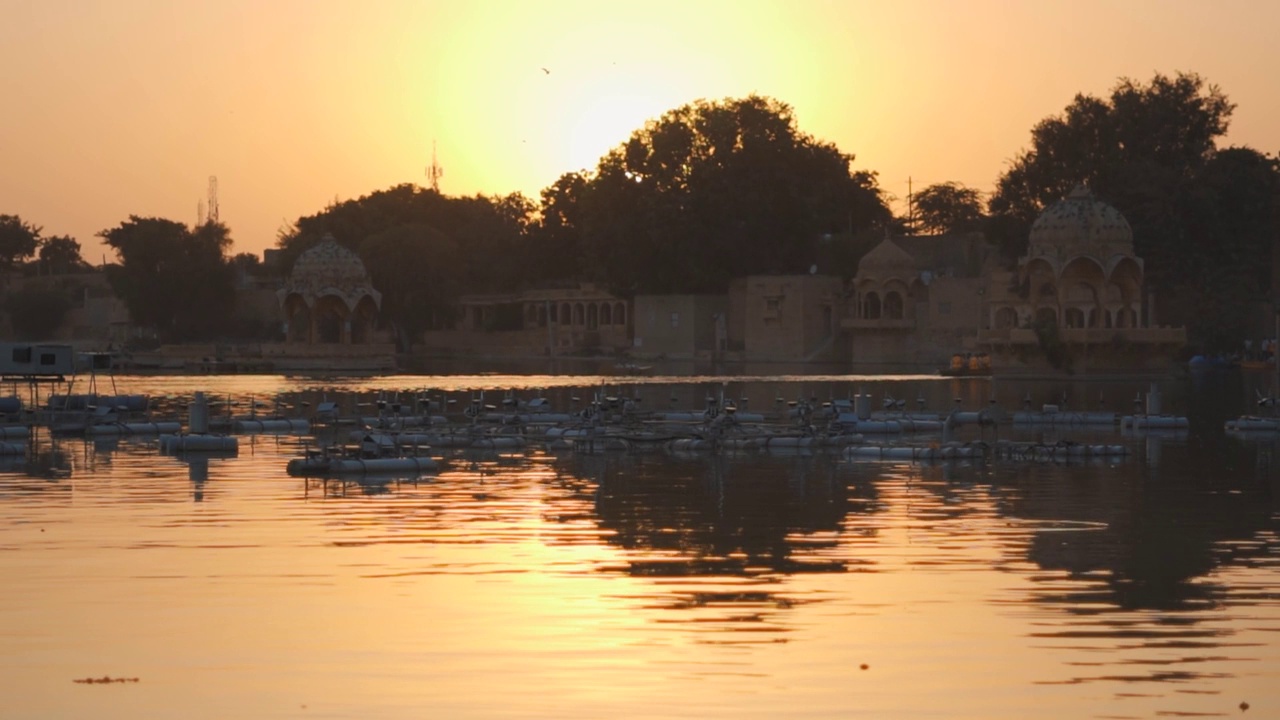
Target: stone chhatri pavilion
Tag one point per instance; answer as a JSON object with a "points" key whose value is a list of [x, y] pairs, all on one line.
{"points": [[328, 297], [1080, 275]]}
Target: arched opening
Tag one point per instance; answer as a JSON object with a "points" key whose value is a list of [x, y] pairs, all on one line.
{"points": [[1094, 318], [871, 306], [1073, 317], [1046, 316], [298, 315], [579, 314], [566, 314], [1006, 317], [606, 314], [364, 320], [330, 317], [893, 305], [593, 317]]}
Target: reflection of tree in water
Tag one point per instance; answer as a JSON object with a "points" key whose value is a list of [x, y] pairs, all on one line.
{"points": [[1150, 540], [717, 515]]}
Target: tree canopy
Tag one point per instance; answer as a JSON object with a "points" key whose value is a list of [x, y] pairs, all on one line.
{"points": [[709, 192], [414, 266], [488, 231], [174, 278], [18, 239], [948, 207], [60, 254]]}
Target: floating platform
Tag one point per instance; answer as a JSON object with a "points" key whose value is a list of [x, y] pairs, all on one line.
{"points": [[1253, 423]]}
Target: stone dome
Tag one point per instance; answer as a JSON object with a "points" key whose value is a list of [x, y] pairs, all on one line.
{"points": [[1080, 224], [328, 268], [329, 265]]}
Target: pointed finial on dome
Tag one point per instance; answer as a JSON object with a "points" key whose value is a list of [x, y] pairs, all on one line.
{"points": [[1081, 190]]}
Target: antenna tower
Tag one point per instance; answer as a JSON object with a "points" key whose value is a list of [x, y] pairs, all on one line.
{"points": [[213, 199], [434, 171], [911, 208]]}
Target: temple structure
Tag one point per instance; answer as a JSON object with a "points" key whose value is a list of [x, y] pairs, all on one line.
{"points": [[328, 297], [1074, 303]]}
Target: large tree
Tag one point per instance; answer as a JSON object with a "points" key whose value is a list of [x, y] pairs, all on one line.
{"points": [[36, 313], [60, 254], [174, 278], [709, 192], [947, 207], [415, 268], [18, 239]]}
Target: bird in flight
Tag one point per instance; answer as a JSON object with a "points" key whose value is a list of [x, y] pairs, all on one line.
{"points": [[546, 71]]}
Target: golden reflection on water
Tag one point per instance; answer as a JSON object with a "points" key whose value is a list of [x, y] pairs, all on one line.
{"points": [[562, 585]]}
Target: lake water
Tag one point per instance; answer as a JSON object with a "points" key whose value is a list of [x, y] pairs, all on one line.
{"points": [[541, 584]]}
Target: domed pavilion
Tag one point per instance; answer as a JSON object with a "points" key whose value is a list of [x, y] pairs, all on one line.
{"points": [[1079, 270], [328, 298]]}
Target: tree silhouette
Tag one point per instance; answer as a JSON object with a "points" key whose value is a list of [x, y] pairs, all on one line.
{"points": [[173, 278], [60, 254], [948, 207], [709, 192], [18, 239]]}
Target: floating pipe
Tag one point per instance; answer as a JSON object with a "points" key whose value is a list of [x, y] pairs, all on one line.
{"points": [[272, 425], [909, 452], [133, 428], [14, 432], [1159, 422], [1250, 422], [1064, 418], [319, 465], [1039, 451], [197, 442]]}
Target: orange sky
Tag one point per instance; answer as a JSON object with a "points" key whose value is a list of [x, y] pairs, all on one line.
{"points": [[118, 107]]}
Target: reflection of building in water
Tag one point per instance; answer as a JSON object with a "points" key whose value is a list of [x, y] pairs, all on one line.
{"points": [[1153, 548], [328, 298]]}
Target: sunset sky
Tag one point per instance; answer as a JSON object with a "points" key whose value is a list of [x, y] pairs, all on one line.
{"points": [[119, 107]]}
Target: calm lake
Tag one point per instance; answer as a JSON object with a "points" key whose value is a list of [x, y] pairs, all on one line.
{"points": [[541, 583]]}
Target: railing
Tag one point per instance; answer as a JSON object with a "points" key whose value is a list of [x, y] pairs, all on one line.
{"points": [[882, 323]]}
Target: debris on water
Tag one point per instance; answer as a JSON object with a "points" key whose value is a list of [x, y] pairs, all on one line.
{"points": [[1244, 706], [105, 679], [864, 666]]}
